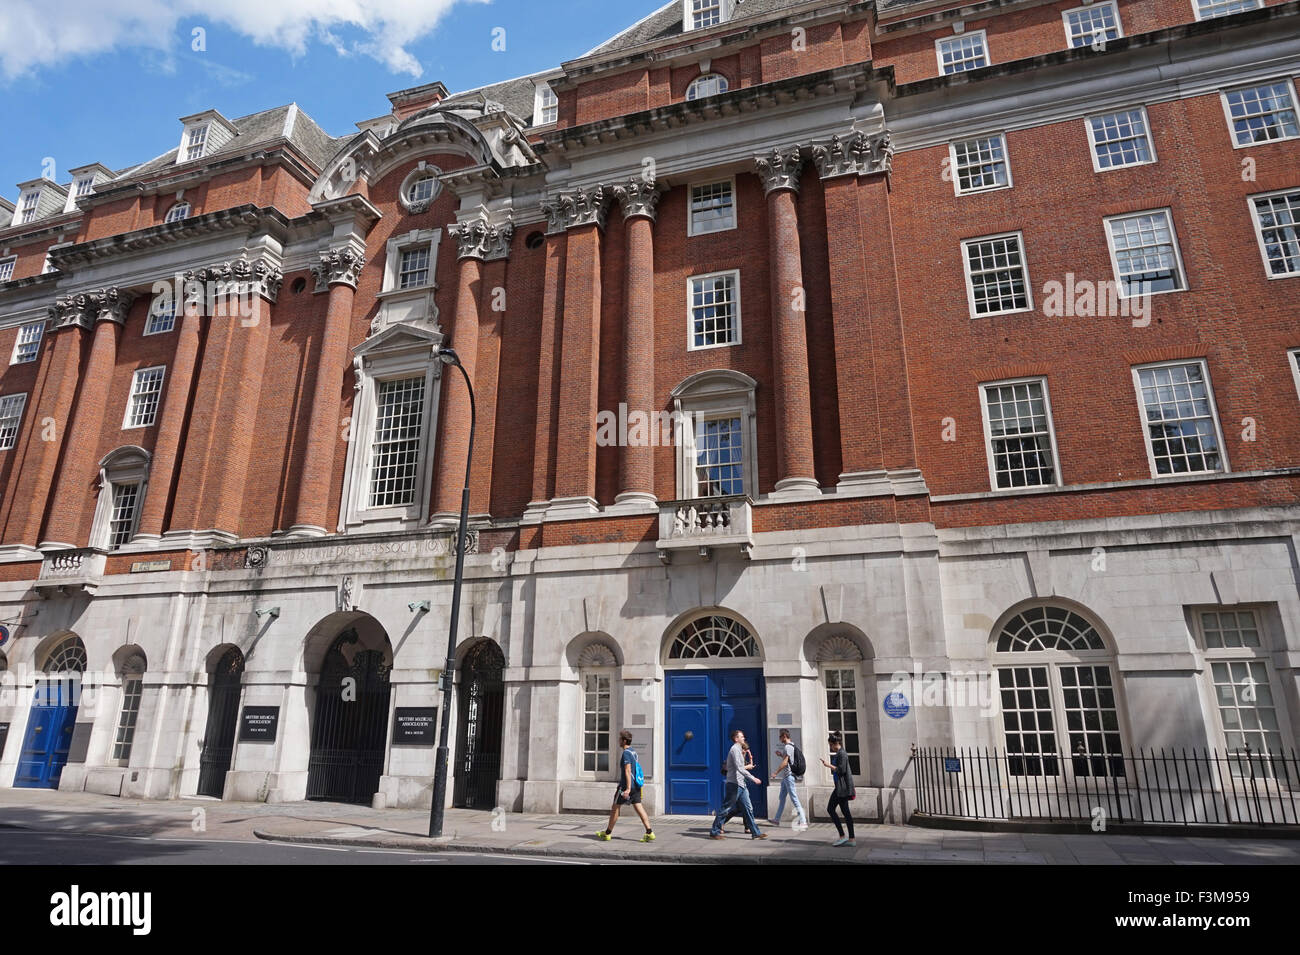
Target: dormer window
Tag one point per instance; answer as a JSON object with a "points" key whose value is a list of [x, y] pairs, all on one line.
{"points": [[710, 84], [701, 14], [546, 106], [27, 208], [85, 186], [195, 139]]}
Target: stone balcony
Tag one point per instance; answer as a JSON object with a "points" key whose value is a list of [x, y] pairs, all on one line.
{"points": [[705, 524], [63, 571]]}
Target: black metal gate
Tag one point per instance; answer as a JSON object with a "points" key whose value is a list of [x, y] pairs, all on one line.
{"points": [[478, 743], [223, 715], [351, 727]]}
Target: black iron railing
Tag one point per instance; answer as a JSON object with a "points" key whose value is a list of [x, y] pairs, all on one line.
{"points": [[1156, 787]]}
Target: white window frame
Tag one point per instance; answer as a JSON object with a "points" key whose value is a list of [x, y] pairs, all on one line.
{"points": [[171, 214], [859, 686], [12, 262], [29, 206], [690, 310], [421, 172], [1093, 144], [196, 135], [970, 284], [1262, 654], [691, 228], [956, 38], [11, 409], [25, 331], [1225, 468], [1227, 110], [400, 351], [1196, 10], [1293, 359], [428, 238], [1069, 36], [709, 395], [726, 9], [124, 465], [83, 187], [612, 751], [543, 106], [723, 84], [1121, 287], [154, 321], [988, 433], [122, 747], [956, 169], [1259, 229], [135, 394]]}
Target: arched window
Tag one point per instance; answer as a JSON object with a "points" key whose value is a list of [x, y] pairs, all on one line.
{"points": [[1059, 700], [420, 188], [714, 637], [68, 657], [124, 478], [178, 212], [132, 673], [711, 84], [715, 414], [839, 660], [598, 673]]}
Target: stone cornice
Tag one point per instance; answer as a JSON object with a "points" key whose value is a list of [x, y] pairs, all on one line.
{"points": [[854, 154], [170, 179], [480, 239], [582, 207], [246, 218], [240, 277], [86, 308], [779, 169], [338, 267], [639, 197]]}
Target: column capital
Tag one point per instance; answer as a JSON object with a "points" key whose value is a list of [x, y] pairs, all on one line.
{"points": [[639, 197], [479, 239], [240, 277], [779, 169], [582, 207], [84, 309], [854, 154], [338, 267]]}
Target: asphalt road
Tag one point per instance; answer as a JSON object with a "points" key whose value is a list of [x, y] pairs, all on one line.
{"points": [[28, 847]]}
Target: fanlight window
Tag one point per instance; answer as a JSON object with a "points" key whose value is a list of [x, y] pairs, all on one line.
{"points": [[68, 657], [1048, 628], [713, 637]]}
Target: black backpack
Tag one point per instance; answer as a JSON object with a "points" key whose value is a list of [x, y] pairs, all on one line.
{"points": [[798, 765]]}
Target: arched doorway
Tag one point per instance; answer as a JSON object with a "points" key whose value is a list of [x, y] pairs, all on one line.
{"points": [[714, 683], [478, 737], [53, 716], [223, 713], [351, 721]]}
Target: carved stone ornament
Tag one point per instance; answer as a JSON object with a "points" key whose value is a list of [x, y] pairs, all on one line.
{"points": [[780, 169], [86, 308], [572, 210], [255, 557], [338, 267], [345, 604], [241, 278], [597, 655], [856, 154], [838, 648], [479, 239], [639, 197]]}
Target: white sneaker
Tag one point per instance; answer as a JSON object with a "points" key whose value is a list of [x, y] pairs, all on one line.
{"points": [[840, 842]]}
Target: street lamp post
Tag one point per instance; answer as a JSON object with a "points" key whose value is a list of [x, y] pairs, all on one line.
{"points": [[449, 357]]}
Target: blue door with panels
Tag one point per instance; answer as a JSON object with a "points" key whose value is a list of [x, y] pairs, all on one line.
{"points": [[704, 707], [49, 734]]}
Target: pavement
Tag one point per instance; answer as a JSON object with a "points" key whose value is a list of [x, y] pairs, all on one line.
{"points": [[680, 839]]}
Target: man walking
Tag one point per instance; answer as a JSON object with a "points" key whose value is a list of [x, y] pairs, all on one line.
{"points": [[736, 791], [785, 773], [627, 791]]}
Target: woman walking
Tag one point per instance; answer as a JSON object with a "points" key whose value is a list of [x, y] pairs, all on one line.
{"points": [[844, 791]]}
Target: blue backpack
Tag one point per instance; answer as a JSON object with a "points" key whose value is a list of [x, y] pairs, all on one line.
{"points": [[638, 775]]}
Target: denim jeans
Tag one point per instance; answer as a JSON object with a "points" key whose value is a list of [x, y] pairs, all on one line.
{"points": [[734, 794], [787, 789]]}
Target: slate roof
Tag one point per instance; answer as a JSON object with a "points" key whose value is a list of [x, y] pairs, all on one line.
{"points": [[666, 22], [264, 127]]}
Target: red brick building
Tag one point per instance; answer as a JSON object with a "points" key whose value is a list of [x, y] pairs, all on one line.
{"points": [[825, 354]]}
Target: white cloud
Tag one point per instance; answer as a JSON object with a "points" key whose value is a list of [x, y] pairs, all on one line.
{"points": [[36, 33]]}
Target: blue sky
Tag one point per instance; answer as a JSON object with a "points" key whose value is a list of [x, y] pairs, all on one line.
{"points": [[113, 91]]}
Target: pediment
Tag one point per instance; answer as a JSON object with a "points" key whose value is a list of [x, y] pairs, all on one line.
{"points": [[399, 338]]}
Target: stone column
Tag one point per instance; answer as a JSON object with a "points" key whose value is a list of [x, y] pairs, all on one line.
{"points": [[175, 409], [640, 200], [575, 481], [32, 475], [779, 172], [76, 487], [338, 269], [479, 242]]}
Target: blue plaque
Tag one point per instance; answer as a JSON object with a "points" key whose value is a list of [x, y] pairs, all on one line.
{"points": [[896, 705], [951, 764]]}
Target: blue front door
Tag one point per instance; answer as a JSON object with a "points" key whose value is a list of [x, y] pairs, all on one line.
{"points": [[704, 707], [49, 735]]}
